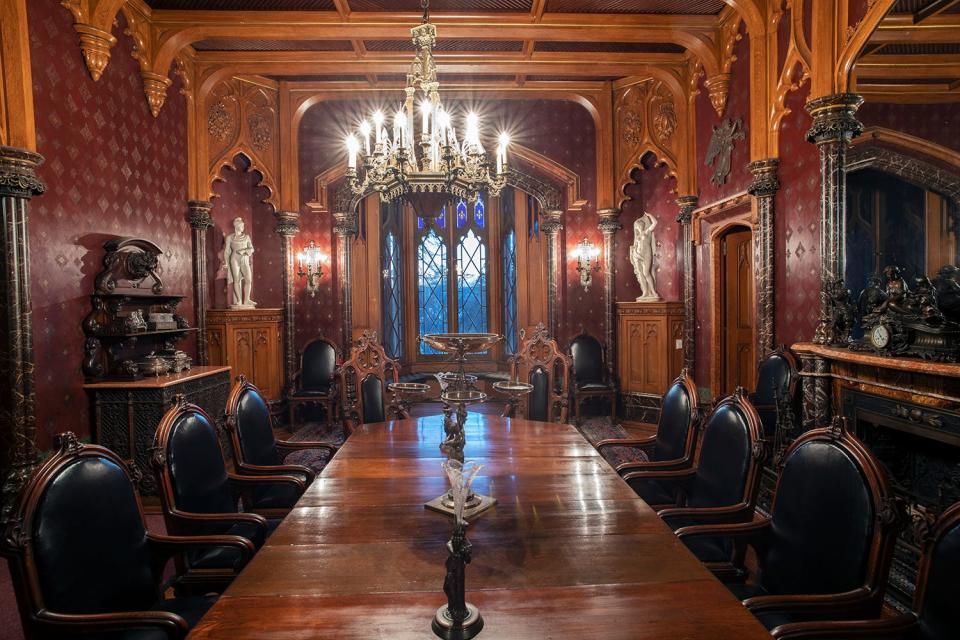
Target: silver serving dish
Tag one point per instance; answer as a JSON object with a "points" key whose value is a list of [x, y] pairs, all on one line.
{"points": [[461, 343], [153, 365]]}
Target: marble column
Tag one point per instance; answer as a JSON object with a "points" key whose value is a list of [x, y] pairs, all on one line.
{"points": [[834, 125], [288, 224], [551, 224], [18, 454], [687, 204], [764, 187], [345, 228], [815, 377], [200, 221], [609, 225]]}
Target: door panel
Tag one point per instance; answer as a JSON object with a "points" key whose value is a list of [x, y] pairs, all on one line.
{"points": [[737, 321], [243, 352]]}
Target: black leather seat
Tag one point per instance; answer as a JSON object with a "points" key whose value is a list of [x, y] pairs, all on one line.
{"points": [[363, 381], [673, 445], [589, 372], [722, 488], [199, 496], [85, 550], [827, 545], [255, 449], [315, 382], [777, 378]]}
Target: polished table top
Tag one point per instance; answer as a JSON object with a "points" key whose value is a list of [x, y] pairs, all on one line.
{"points": [[569, 551]]}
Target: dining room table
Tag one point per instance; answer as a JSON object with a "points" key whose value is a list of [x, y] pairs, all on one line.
{"points": [[569, 550]]}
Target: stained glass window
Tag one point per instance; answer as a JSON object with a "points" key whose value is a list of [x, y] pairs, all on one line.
{"points": [[432, 296], [392, 297], [472, 284], [510, 290]]}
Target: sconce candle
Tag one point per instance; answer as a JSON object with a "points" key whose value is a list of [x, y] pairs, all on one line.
{"points": [[311, 261], [586, 255]]}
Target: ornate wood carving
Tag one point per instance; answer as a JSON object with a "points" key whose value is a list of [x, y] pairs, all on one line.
{"points": [[93, 21], [718, 85], [867, 155], [539, 350], [795, 69], [18, 456]]}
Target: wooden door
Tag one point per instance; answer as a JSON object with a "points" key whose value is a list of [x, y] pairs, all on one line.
{"points": [[736, 306]]}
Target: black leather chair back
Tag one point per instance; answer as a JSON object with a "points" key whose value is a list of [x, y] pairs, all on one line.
{"points": [[676, 415], [776, 377], [822, 523], [726, 457], [197, 471], [939, 616], [538, 402], [254, 430], [371, 394], [89, 542], [587, 355], [318, 366]]}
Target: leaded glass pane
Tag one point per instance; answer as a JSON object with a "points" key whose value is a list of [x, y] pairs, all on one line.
{"points": [[392, 297], [479, 212], [461, 213], [471, 284], [510, 291], [432, 286]]}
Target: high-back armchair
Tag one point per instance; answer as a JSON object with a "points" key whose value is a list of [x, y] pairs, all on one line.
{"points": [[363, 380], [777, 386], [256, 451], [589, 374], [316, 380], [672, 447], [83, 563], [826, 548], [197, 492], [540, 362]]}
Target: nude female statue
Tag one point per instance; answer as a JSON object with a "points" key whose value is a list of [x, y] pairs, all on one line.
{"points": [[237, 252], [641, 256]]}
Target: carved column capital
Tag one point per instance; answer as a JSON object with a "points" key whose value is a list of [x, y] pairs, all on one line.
{"points": [[345, 223], [18, 175], [609, 221], [718, 87], [95, 44], [551, 221], [155, 88], [687, 204], [199, 214], [834, 118], [765, 182], [288, 223]]}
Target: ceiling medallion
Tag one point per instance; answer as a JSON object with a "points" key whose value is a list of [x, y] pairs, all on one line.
{"points": [[431, 169]]}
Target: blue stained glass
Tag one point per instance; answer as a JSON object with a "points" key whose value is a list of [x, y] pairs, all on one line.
{"points": [[419, 222], [392, 298], [461, 213], [471, 284], [510, 291], [432, 287], [479, 212]]}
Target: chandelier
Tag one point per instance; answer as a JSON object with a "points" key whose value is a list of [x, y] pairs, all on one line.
{"points": [[430, 169]]}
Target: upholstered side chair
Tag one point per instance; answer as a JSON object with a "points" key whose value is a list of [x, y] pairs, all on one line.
{"points": [[83, 563], [935, 614], [722, 486], [199, 495], [777, 386], [825, 550], [316, 380], [673, 445], [589, 375], [363, 380], [540, 362], [256, 451]]}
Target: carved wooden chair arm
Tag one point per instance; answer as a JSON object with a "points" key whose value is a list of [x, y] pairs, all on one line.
{"points": [[171, 624], [731, 514], [850, 604], [659, 465], [287, 445], [197, 520], [167, 546], [646, 441], [752, 533], [267, 479], [276, 469], [675, 481], [900, 627]]}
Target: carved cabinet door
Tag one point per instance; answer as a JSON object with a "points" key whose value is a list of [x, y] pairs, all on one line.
{"points": [[649, 346]]}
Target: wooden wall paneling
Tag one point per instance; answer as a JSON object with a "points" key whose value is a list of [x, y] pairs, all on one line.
{"points": [[365, 269]]}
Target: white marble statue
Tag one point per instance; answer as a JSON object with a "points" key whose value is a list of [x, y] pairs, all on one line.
{"points": [[641, 256], [237, 253]]}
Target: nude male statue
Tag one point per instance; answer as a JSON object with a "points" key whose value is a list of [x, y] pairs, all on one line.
{"points": [[238, 249]]}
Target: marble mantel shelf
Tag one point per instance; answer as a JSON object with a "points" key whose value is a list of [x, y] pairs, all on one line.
{"points": [[912, 365]]}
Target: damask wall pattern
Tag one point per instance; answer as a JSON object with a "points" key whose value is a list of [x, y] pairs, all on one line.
{"points": [[939, 123], [111, 170]]}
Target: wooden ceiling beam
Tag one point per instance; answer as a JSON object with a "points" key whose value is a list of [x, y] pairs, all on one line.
{"points": [[900, 28], [949, 68], [343, 8], [447, 59], [933, 9], [537, 9]]}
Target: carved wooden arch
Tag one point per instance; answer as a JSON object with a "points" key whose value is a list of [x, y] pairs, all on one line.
{"points": [[857, 39], [910, 158], [228, 160], [794, 73]]}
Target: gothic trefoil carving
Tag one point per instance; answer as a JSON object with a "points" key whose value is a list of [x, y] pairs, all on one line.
{"points": [[220, 122], [260, 134], [665, 121], [721, 148]]}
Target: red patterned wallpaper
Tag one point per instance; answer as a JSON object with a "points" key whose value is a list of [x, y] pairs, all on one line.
{"points": [[563, 131], [111, 170], [738, 106], [239, 196], [938, 123], [651, 192], [797, 227]]}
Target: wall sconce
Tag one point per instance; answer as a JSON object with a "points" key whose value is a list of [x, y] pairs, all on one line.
{"points": [[586, 255], [311, 261]]}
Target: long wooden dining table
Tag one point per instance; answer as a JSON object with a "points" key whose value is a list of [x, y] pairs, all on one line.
{"points": [[569, 551]]}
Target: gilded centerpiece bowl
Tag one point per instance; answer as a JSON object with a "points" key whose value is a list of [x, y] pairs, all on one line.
{"points": [[460, 343]]}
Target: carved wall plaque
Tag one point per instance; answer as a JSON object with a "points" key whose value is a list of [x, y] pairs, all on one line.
{"points": [[721, 148]]}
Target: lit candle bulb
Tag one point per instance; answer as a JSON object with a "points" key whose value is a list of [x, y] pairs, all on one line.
{"points": [[352, 147], [444, 123], [504, 140], [365, 132], [400, 129], [473, 129], [425, 110], [378, 123]]}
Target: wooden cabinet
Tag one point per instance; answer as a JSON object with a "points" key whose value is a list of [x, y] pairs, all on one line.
{"points": [[249, 341], [649, 346]]}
